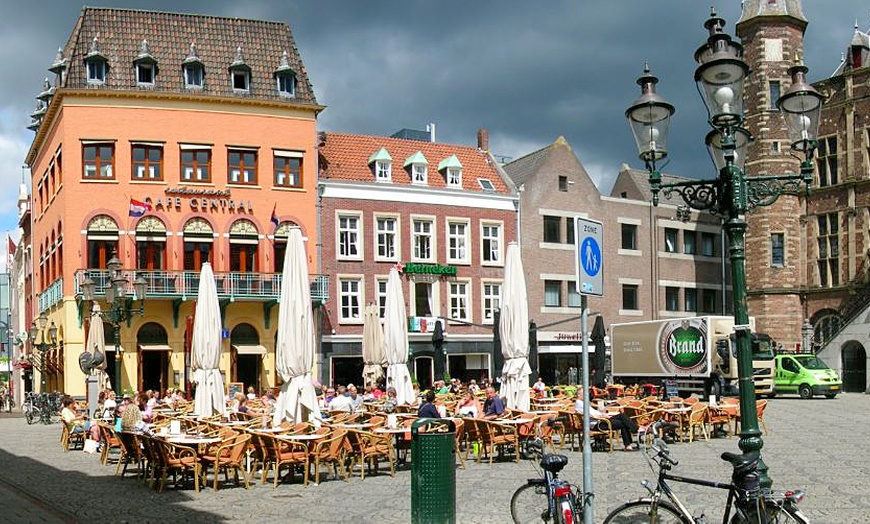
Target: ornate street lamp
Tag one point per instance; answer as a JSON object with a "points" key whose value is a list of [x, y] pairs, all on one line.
{"points": [[120, 305], [720, 76], [42, 343]]}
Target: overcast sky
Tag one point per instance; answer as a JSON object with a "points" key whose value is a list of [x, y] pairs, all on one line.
{"points": [[528, 71]]}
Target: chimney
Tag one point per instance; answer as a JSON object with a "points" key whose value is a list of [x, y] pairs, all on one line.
{"points": [[483, 139], [431, 128]]}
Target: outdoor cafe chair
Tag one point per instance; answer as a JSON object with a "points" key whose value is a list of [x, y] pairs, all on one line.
{"points": [[279, 453], [369, 447], [110, 441], [331, 450], [697, 421], [229, 456], [176, 459], [131, 452], [69, 438]]}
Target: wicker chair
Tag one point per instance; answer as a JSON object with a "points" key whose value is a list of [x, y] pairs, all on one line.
{"points": [[229, 456], [331, 450], [68, 437], [280, 453], [176, 459]]}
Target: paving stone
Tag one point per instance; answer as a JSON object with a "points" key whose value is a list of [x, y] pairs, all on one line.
{"points": [[816, 445]]}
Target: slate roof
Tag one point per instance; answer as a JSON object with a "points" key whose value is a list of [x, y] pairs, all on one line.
{"points": [[345, 157], [120, 33], [525, 167], [757, 8]]}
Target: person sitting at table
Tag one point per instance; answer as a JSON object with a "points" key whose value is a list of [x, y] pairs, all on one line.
{"points": [[539, 388], [473, 387], [618, 421], [455, 386], [109, 406], [252, 393], [77, 422], [241, 401], [390, 401], [427, 408], [469, 406], [131, 418], [356, 399], [327, 398], [377, 391], [341, 402], [441, 388], [493, 407]]}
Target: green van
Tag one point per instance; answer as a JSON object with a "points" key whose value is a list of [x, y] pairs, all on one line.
{"points": [[806, 375]]}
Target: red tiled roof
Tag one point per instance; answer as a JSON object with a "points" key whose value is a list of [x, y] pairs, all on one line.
{"points": [[120, 33], [346, 158]]}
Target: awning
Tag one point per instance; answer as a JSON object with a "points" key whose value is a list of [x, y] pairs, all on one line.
{"points": [[154, 347], [249, 350]]}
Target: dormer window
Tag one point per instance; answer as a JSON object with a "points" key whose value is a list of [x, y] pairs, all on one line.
{"points": [[285, 77], [452, 170], [194, 70], [382, 165], [419, 168], [240, 73], [146, 66], [97, 63], [145, 74]]}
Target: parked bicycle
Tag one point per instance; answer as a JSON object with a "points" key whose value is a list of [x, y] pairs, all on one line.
{"points": [[42, 407], [548, 498], [747, 502]]}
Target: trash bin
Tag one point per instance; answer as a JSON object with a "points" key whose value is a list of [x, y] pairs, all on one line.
{"points": [[433, 471]]}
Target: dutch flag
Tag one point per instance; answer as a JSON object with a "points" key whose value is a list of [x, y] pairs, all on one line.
{"points": [[137, 209], [274, 217]]}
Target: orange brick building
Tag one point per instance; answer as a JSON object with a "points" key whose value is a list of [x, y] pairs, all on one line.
{"points": [[210, 121]]}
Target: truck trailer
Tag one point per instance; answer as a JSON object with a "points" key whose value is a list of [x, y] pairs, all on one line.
{"points": [[698, 353]]}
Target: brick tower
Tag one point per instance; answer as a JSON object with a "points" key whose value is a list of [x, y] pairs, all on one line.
{"points": [[772, 35]]}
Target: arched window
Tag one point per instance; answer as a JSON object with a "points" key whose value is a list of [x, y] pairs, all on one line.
{"points": [[826, 323], [282, 233], [244, 240], [102, 241], [151, 244], [198, 244]]}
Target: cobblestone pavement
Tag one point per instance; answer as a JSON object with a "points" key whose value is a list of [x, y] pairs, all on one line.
{"points": [[817, 445]]}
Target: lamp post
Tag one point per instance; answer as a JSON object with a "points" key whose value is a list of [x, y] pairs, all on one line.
{"points": [[38, 341], [120, 305], [720, 76]]}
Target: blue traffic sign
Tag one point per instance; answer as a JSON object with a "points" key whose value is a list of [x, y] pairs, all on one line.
{"points": [[589, 258]]}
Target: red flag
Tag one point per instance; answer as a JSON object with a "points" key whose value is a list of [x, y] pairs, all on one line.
{"points": [[10, 246]]}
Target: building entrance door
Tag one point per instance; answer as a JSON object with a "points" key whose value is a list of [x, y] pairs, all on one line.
{"points": [[347, 370], [155, 366], [854, 368], [424, 371]]}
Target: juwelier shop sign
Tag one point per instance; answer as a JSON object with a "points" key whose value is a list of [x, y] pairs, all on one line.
{"points": [[201, 200]]}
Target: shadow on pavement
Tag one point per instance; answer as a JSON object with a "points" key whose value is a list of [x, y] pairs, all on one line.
{"points": [[75, 496]]}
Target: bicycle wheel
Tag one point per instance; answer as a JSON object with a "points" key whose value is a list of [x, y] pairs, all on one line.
{"points": [[642, 511], [786, 515], [30, 416], [529, 504]]}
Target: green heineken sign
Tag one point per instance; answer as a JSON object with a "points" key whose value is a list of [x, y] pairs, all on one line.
{"points": [[429, 269]]}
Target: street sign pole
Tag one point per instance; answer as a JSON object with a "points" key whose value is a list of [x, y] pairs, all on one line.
{"points": [[590, 281]]}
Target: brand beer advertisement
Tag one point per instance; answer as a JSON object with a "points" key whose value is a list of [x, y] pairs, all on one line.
{"points": [[670, 348]]}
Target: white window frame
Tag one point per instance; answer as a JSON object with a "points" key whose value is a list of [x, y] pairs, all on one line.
{"points": [[419, 174], [348, 294], [490, 302], [415, 235], [572, 294], [384, 235], [358, 231], [498, 260], [454, 177], [247, 77], [290, 80], [143, 67], [383, 171], [465, 238], [99, 76], [381, 294], [453, 294], [188, 71]]}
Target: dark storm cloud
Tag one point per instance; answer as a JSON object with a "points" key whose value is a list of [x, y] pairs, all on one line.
{"points": [[528, 71]]}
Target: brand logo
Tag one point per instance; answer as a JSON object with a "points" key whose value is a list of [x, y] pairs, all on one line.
{"points": [[683, 346]]}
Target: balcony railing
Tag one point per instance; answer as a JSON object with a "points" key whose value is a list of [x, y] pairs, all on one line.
{"points": [[185, 284], [51, 296]]}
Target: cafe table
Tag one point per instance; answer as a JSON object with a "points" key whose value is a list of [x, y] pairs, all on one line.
{"points": [[191, 440], [398, 437], [363, 425]]}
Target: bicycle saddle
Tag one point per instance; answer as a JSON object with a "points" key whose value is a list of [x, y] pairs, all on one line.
{"points": [[554, 463], [742, 463]]}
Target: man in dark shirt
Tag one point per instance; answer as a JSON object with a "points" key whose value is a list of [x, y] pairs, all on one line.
{"points": [[428, 409], [493, 407]]}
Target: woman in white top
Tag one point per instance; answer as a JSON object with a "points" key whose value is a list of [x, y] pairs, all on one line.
{"points": [[469, 406]]}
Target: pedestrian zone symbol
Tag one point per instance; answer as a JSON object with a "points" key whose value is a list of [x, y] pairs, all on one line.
{"points": [[590, 256]]}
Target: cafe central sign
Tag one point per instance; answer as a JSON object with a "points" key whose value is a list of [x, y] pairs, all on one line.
{"points": [[202, 200]]}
